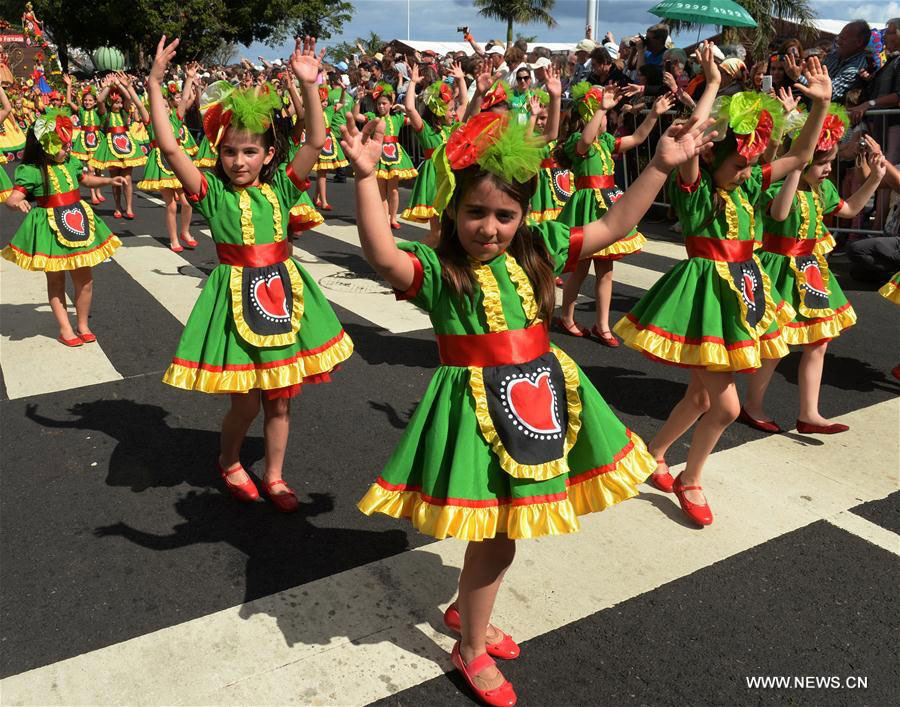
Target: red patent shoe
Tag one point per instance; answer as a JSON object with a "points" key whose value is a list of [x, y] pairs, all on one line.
{"points": [[506, 648], [895, 371], [188, 241], [808, 428], [245, 491], [117, 214], [285, 502], [761, 425], [95, 200], [71, 343], [395, 226], [101, 198], [86, 338], [326, 207], [574, 329], [662, 481], [129, 215], [503, 696], [177, 248], [606, 338], [701, 515]]}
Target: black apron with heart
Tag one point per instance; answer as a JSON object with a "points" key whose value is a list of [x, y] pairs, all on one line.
{"points": [[527, 404], [121, 144], [327, 151], [811, 285], [390, 153], [748, 280], [561, 183], [267, 299], [611, 196], [89, 138], [73, 224]]}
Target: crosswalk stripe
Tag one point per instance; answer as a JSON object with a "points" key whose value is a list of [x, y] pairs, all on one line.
{"points": [[33, 362], [866, 529], [665, 249], [369, 632]]}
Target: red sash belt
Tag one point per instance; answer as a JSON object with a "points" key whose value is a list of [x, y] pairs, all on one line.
{"points": [[391, 138], [428, 153], [788, 246], [253, 256], [54, 200], [153, 144], [499, 348], [548, 163], [90, 128], [595, 181], [117, 129], [727, 251]]}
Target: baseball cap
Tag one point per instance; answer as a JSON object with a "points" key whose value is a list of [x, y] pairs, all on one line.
{"points": [[732, 66], [495, 50], [585, 45], [379, 56], [342, 65], [541, 63]]}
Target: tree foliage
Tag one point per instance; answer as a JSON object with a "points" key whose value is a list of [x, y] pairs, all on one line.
{"points": [[523, 12], [342, 51]]}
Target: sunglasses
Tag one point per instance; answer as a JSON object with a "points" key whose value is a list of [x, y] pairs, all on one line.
{"points": [[522, 78]]}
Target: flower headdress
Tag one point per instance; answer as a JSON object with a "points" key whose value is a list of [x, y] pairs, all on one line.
{"points": [[500, 93], [752, 117], [88, 89], [53, 130], [498, 145], [437, 97], [382, 88], [587, 99], [170, 89], [251, 109], [836, 123]]}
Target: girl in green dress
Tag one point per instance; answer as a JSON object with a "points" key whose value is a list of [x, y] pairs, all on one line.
{"points": [[61, 233], [589, 150], [511, 440], [261, 327], [441, 117], [794, 244], [118, 152], [554, 186], [331, 157], [394, 164], [716, 312], [6, 184], [157, 174], [90, 131]]}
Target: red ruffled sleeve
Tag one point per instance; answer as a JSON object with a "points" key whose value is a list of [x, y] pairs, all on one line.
{"points": [[576, 241], [418, 277], [194, 198]]}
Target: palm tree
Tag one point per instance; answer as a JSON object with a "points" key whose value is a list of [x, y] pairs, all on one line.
{"points": [[766, 13], [522, 11]]}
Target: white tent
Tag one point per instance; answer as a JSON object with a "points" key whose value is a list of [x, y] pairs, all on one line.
{"points": [[446, 47]]}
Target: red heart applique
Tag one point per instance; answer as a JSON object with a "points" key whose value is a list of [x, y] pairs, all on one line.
{"points": [[748, 288], [328, 149], [90, 139], [269, 294], [389, 151], [814, 278], [564, 182], [74, 221], [532, 403], [121, 143]]}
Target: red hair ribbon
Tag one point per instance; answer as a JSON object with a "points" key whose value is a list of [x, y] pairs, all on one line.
{"points": [[215, 123], [498, 95], [832, 132], [470, 139]]}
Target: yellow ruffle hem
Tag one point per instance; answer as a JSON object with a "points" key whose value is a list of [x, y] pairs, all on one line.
{"points": [[240, 381], [626, 246], [595, 492], [158, 184], [801, 333], [46, 263], [121, 164], [422, 213], [205, 162], [304, 217], [545, 215], [410, 173], [890, 291], [5, 194]]}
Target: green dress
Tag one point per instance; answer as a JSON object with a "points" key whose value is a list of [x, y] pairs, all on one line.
{"points": [[554, 188], [62, 235], [717, 309], [891, 289], [793, 256], [118, 148], [518, 445], [421, 201], [589, 203], [157, 174], [89, 134], [6, 185], [304, 215], [185, 139], [255, 325], [207, 155], [394, 163], [331, 156]]}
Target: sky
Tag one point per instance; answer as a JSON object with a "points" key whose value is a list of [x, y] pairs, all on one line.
{"points": [[437, 20]]}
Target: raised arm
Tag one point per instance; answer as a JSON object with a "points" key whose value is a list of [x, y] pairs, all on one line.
{"points": [[780, 207], [409, 100], [139, 104], [476, 47], [818, 90], [363, 150], [855, 203], [67, 80], [181, 164], [306, 66], [592, 129], [660, 106], [678, 144], [462, 90], [299, 110], [101, 97], [190, 76], [690, 170], [554, 89]]}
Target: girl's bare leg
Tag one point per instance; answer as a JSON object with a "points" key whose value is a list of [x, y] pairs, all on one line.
{"points": [[244, 409], [186, 213], [56, 293], [393, 200], [171, 207], [603, 269], [276, 425], [809, 379], [571, 289], [83, 280], [756, 390]]}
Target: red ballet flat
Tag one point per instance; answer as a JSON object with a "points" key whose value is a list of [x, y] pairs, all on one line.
{"points": [[808, 428], [607, 338], [326, 207], [129, 215], [188, 241], [246, 491], [701, 515], [285, 502], [575, 329], [101, 198], [395, 226], [895, 371], [86, 338], [661, 481], [117, 214], [506, 648], [761, 425], [503, 696], [177, 248], [71, 343], [95, 200]]}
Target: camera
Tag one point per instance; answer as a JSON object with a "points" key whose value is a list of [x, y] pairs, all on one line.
{"points": [[766, 83], [631, 42], [464, 29]]}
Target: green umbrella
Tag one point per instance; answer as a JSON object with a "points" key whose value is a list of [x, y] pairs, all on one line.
{"points": [[723, 13]]}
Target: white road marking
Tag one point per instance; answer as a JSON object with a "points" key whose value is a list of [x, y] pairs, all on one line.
{"points": [[369, 632], [33, 362], [867, 530]]}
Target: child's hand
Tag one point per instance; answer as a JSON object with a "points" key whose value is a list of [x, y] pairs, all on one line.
{"points": [[457, 72], [818, 82], [164, 55], [414, 76], [67, 80], [707, 59], [118, 181], [362, 147], [681, 143], [787, 99], [304, 62], [663, 103], [552, 82], [24, 206], [534, 104], [611, 96], [483, 82], [877, 164]]}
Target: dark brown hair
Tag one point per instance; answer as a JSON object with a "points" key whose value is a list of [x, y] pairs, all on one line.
{"points": [[34, 154], [574, 124], [271, 138], [526, 247]]}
